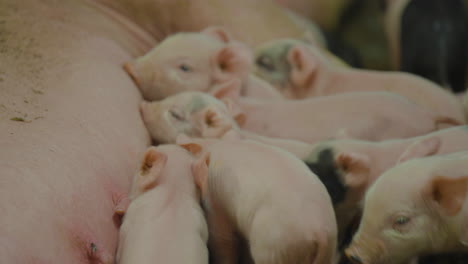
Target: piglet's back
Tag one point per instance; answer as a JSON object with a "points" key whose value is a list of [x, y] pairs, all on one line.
{"points": [[372, 116], [277, 175]]}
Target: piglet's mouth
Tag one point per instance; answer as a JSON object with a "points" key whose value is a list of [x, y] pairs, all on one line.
{"points": [[358, 255]]}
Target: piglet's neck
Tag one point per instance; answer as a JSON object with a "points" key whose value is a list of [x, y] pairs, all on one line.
{"points": [[385, 155], [258, 88], [179, 186], [297, 148], [251, 106], [323, 83]]}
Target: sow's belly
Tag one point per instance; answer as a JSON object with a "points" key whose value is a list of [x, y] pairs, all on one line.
{"points": [[70, 131]]}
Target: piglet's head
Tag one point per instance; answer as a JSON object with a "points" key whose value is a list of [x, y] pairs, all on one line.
{"points": [[409, 211], [233, 60], [193, 113], [344, 170], [290, 65], [189, 62]]}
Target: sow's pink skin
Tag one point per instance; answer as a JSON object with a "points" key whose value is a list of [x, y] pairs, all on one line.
{"points": [[66, 166], [164, 222], [417, 207], [300, 71], [371, 116], [195, 62], [283, 211], [349, 167]]}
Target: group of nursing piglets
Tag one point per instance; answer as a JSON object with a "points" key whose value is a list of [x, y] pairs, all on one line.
{"points": [[278, 155]]}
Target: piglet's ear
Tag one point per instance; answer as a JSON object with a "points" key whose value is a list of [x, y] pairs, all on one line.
{"points": [[218, 33], [233, 60], [232, 135], [191, 147], [228, 89], [420, 149], [151, 168], [235, 111], [448, 193], [356, 167], [303, 67], [200, 171], [214, 124]]}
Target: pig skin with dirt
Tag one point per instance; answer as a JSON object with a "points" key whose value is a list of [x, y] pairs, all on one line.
{"points": [[299, 70], [418, 207], [164, 222], [283, 211], [70, 130]]}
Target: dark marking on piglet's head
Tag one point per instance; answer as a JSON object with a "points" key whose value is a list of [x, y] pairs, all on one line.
{"points": [[324, 166], [272, 64]]}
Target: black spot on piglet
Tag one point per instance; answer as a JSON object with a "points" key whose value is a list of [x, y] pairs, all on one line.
{"points": [[325, 168]]}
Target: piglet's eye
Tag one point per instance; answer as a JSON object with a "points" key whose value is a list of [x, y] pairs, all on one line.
{"points": [[185, 68], [401, 223], [401, 220], [265, 62], [176, 115]]}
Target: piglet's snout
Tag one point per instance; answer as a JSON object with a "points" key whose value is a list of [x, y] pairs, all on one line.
{"points": [[364, 250], [355, 259]]}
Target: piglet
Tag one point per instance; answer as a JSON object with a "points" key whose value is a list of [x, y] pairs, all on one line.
{"points": [[300, 70], [417, 207], [349, 167], [264, 195], [198, 114], [371, 116], [164, 222], [190, 61]]}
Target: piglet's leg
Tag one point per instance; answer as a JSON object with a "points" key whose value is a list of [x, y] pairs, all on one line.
{"points": [[223, 241]]}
